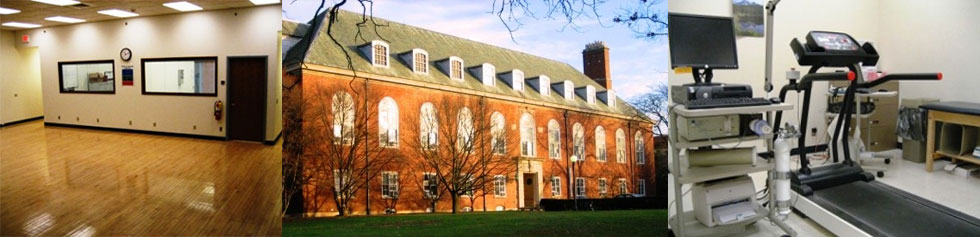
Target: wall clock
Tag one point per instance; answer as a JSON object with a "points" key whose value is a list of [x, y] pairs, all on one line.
{"points": [[125, 54]]}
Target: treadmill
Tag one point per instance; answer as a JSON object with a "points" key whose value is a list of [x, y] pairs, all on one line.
{"points": [[841, 196]]}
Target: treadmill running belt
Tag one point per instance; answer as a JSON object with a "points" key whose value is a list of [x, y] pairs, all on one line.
{"points": [[882, 210]]}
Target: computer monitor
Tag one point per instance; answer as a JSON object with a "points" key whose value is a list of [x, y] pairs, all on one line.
{"points": [[702, 43]]}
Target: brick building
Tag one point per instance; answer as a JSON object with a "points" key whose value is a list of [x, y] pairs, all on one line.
{"points": [[540, 113]]}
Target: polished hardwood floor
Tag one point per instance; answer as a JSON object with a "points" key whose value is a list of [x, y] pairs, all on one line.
{"points": [[83, 182]]}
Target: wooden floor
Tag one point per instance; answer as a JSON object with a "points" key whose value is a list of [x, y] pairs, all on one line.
{"points": [[82, 182]]}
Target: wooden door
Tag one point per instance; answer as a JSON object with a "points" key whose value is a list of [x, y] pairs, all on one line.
{"points": [[247, 86]]}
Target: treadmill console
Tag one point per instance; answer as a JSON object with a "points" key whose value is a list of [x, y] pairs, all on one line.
{"points": [[831, 41], [833, 49]]}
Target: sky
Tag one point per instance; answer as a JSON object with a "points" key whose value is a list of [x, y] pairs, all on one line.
{"points": [[636, 63]]}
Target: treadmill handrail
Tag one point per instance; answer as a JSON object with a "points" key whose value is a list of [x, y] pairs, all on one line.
{"points": [[903, 77], [828, 76]]}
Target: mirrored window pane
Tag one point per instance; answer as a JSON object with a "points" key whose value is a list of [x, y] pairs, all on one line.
{"points": [[87, 77], [180, 76]]}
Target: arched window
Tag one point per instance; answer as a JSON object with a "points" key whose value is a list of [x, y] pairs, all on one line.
{"points": [[640, 153], [343, 117], [420, 61], [554, 139], [464, 130], [620, 146], [527, 135], [600, 144], [388, 122], [498, 141], [578, 141], [429, 126], [456, 68]]}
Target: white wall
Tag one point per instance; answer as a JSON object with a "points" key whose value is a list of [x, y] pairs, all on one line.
{"points": [[794, 18], [933, 36], [20, 80], [222, 33]]}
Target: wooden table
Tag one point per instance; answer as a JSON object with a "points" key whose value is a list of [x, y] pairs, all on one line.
{"points": [[962, 113]]}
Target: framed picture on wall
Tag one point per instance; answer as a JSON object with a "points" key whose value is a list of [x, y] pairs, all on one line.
{"points": [[127, 75], [749, 19]]}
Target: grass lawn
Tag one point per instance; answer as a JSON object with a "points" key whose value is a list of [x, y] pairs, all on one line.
{"points": [[568, 223]]}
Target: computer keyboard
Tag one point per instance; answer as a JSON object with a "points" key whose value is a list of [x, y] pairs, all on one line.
{"points": [[725, 102]]}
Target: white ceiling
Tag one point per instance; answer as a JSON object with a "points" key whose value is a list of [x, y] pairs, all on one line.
{"points": [[35, 12]]}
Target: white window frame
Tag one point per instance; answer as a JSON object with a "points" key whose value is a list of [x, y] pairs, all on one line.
{"points": [[620, 146], [600, 144], [580, 187], [623, 187], [555, 186], [471, 191], [426, 182], [544, 85], [499, 186], [498, 133], [415, 61], [386, 53], [464, 130], [602, 187], [554, 139], [641, 187], [489, 74], [342, 108], [388, 123], [429, 126], [517, 78], [338, 179], [640, 151], [590, 94], [527, 132], [578, 141], [569, 90], [389, 185], [453, 74]]}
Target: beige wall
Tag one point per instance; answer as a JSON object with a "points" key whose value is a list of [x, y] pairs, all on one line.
{"points": [[20, 80], [933, 36], [793, 20], [223, 33]]}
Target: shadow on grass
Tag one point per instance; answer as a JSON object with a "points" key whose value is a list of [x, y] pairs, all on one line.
{"points": [[583, 223]]}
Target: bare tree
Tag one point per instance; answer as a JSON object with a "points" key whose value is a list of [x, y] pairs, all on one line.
{"points": [[644, 19], [294, 176], [451, 143], [343, 150], [654, 103]]}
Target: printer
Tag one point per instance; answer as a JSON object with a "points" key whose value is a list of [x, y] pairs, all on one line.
{"points": [[685, 93], [724, 201]]}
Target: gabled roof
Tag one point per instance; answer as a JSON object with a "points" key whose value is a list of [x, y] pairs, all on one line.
{"points": [[402, 38]]}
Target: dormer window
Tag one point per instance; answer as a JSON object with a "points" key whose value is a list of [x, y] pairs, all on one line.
{"points": [[416, 59], [453, 67], [514, 78], [608, 97], [590, 94], [486, 73], [540, 83], [377, 52], [420, 61], [568, 90]]}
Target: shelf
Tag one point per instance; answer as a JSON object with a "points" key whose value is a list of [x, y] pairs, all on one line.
{"points": [[967, 158], [700, 174], [683, 144], [830, 116], [693, 227], [681, 110]]}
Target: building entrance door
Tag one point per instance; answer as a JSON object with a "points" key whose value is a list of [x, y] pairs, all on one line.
{"points": [[530, 187]]}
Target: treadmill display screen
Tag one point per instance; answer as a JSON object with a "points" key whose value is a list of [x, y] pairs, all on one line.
{"points": [[834, 41]]}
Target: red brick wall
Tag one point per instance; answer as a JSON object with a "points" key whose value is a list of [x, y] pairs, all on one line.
{"points": [[409, 100]]}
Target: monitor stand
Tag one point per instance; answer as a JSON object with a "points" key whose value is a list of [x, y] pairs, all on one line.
{"points": [[698, 74]]}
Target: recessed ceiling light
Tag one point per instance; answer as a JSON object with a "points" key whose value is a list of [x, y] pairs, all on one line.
{"points": [[183, 6], [118, 13], [263, 2], [8, 11], [59, 2], [64, 19], [21, 25]]}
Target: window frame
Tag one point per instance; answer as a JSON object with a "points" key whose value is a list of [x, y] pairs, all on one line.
{"points": [[392, 121], [340, 137], [578, 141], [554, 142], [555, 186], [499, 186], [603, 189], [620, 146], [600, 144], [375, 54], [61, 77], [639, 148], [416, 62], [580, 187], [498, 140], [641, 187], [434, 182], [623, 186], [388, 188], [528, 140], [143, 62], [452, 70], [429, 140]]}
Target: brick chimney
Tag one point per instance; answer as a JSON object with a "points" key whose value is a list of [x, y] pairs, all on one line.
{"points": [[595, 60]]}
